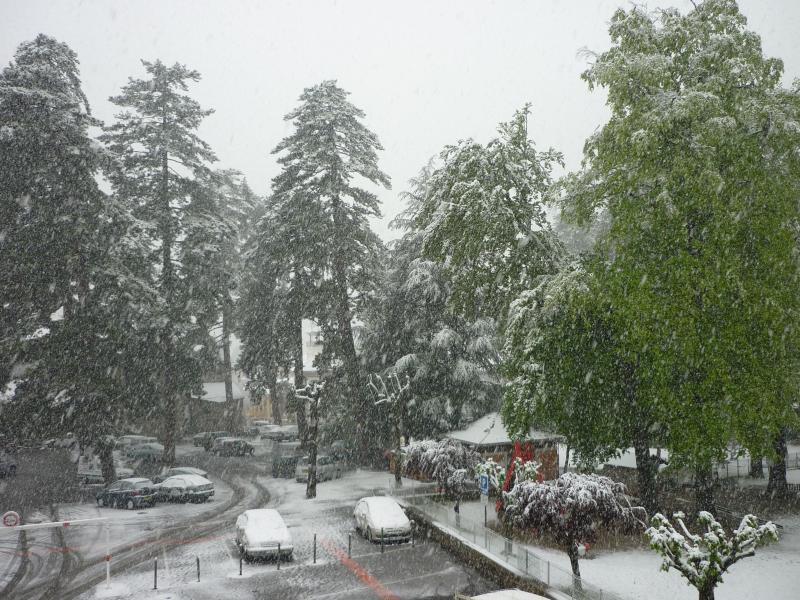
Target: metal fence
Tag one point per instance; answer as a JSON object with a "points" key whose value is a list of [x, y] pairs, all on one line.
{"points": [[740, 466], [510, 552]]}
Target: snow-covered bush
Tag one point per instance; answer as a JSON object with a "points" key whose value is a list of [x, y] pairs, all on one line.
{"points": [[569, 508], [703, 558], [447, 462]]}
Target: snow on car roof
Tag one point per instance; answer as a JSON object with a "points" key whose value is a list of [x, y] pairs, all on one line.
{"points": [[514, 594], [264, 516], [187, 479]]}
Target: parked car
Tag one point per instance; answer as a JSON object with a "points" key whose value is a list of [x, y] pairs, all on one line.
{"points": [[327, 468], [8, 464], [131, 493], [94, 473], [252, 432], [149, 451], [211, 436], [185, 488], [280, 433], [179, 471], [260, 531], [380, 516], [126, 441], [285, 457], [232, 447]]}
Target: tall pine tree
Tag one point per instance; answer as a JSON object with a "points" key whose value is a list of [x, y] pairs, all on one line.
{"points": [[163, 161], [318, 198]]}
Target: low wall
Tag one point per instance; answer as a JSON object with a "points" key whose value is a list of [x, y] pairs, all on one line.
{"points": [[488, 567]]}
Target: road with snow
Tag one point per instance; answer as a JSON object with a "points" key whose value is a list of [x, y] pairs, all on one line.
{"points": [[69, 563]]}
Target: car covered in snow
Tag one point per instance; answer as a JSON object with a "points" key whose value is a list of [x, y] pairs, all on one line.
{"points": [[262, 533], [380, 517], [130, 493], [179, 471], [184, 488]]}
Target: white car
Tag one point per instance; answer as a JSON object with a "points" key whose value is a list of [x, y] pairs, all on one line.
{"points": [[380, 516], [259, 533], [179, 471], [185, 488]]}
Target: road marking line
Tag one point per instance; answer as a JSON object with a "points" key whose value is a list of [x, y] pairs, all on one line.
{"points": [[359, 571]]}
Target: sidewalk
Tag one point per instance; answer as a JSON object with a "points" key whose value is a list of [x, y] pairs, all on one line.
{"points": [[510, 554]]}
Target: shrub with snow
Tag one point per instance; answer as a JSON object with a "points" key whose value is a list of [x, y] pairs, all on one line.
{"points": [[703, 558], [447, 462], [569, 508]]}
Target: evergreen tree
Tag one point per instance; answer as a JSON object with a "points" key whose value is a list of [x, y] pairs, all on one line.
{"points": [[318, 199], [217, 222], [163, 163], [76, 322], [49, 198]]}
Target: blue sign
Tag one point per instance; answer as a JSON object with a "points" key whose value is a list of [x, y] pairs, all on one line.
{"points": [[483, 482]]}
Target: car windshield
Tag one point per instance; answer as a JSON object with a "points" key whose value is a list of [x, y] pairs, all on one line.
{"points": [[527, 273]]}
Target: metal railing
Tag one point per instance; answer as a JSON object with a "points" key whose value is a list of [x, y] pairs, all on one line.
{"points": [[510, 552], [740, 466]]}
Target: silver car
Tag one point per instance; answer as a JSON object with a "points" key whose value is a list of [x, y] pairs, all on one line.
{"points": [[380, 517], [327, 468]]}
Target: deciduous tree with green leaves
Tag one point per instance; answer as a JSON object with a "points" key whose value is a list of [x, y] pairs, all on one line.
{"points": [[698, 169]]}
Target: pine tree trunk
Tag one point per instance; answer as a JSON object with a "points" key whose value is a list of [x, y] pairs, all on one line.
{"points": [[572, 552], [777, 483], [646, 471], [347, 343], [275, 401], [704, 488], [757, 467], [299, 381], [106, 452], [398, 435], [170, 425], [566, 460], [236, 413], [311, 486], [170, 398]]}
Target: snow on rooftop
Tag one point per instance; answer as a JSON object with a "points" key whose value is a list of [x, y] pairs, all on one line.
{"points": [[490, 431], [215, 391]]}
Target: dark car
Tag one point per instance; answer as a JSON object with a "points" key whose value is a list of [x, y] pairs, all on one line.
{"points": [[211, 437], [128, 493], [232, 447], [285, 457]]}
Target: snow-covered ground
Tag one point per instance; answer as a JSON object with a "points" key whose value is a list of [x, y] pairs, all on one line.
{"points": [[773, 573], [423, 570]]}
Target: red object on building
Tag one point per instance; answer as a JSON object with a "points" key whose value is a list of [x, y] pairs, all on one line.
{"points": [[525, 452]]}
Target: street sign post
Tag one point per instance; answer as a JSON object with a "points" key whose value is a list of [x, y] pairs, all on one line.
{"points": [[11, 519]]}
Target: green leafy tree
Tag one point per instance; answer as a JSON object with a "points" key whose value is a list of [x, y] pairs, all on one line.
{"points": [[163, 165], [697, 167], [570, 365]]}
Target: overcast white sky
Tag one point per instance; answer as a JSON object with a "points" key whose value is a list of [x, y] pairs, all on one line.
{"points": [[426, 72]]}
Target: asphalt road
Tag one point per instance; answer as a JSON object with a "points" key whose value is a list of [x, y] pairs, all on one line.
{"points": [[423, 570]]}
